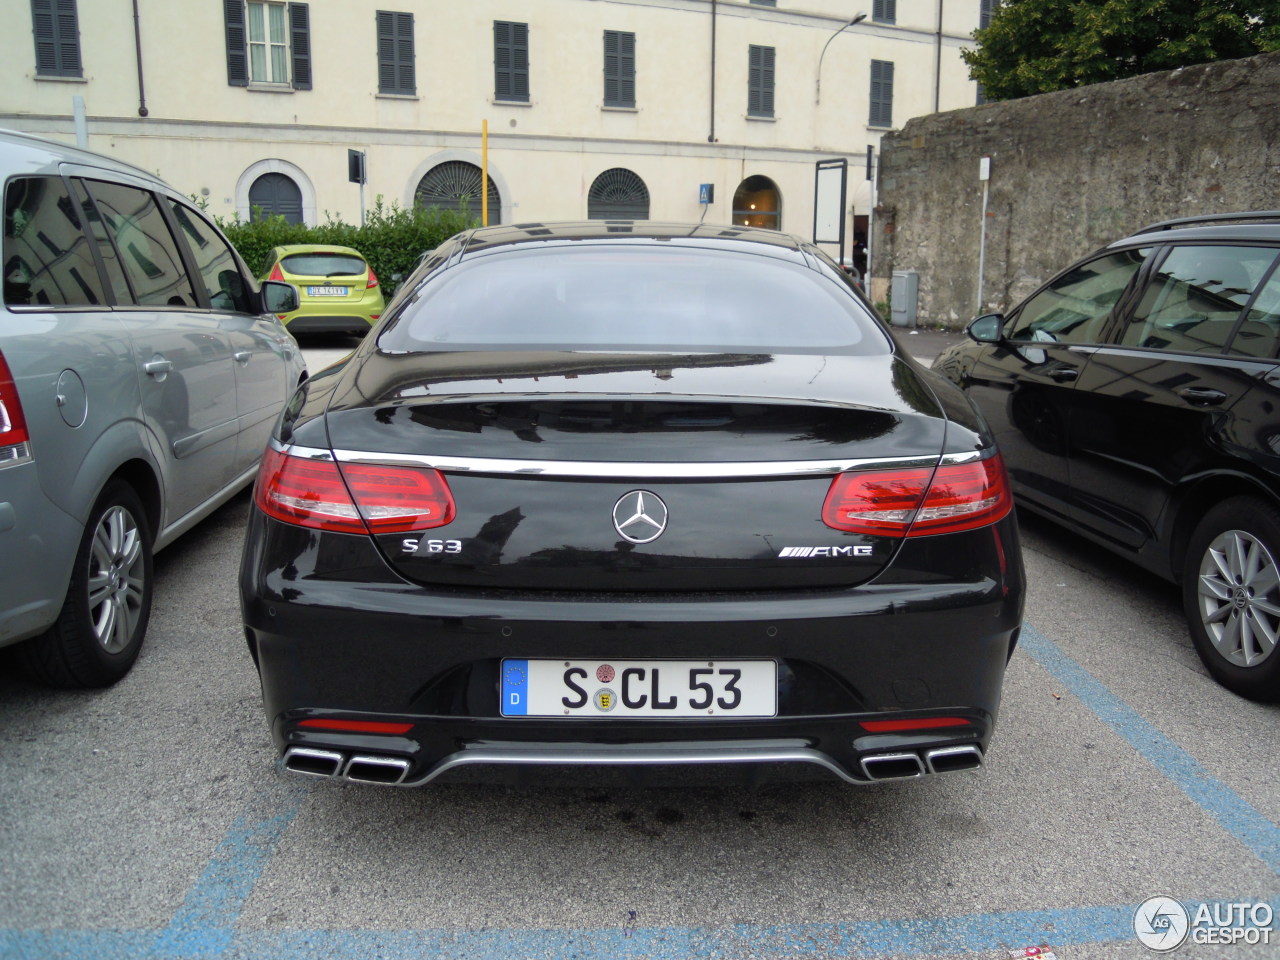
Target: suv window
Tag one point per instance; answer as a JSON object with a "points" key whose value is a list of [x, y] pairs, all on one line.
{"points": [[1260, 330], [1075, 307], [1195, 297], [46, 258], [219, 271], [147, 248]]}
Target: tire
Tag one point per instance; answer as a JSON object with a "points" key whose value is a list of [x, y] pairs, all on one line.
{"points": [[104, 617], [1231, 596]]}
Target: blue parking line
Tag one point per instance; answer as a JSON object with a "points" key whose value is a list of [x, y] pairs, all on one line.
{"points": [[205, 926], [1233, 813]]}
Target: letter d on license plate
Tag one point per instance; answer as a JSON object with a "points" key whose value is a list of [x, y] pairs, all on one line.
{"points": [[639, 688]]}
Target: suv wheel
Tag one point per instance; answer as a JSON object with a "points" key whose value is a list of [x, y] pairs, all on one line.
{"points": [[1231, 596], [104, 617]]}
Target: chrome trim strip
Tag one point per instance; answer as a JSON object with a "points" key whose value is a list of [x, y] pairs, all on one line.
{"points": [[14, 454], [758, 751], [647, 470]]}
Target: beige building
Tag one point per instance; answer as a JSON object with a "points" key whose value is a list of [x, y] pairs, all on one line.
{"points": [[594, 108]]}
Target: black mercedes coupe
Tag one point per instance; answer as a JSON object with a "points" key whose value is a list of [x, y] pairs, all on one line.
{"points": [[623, 493]]}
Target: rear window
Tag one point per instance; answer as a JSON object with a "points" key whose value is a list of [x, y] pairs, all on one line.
{"points": [[631, 297], [323, 265]]}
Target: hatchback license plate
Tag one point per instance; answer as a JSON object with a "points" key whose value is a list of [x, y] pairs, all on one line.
{"points": [[326, 291], [639, 688]]}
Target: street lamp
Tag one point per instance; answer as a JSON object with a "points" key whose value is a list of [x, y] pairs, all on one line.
{"points": [[817, 92]]}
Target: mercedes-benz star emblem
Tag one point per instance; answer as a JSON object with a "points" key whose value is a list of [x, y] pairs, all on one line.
{"points": [[640, 516]]}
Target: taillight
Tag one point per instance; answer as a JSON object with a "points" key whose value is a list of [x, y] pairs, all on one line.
{"points": [[13, 426], [919, 502], [373, 280], [276, 273], [353, 498]]}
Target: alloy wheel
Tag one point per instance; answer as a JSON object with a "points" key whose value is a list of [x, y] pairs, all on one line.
{"points": [[1239, 598], [117, 578]]}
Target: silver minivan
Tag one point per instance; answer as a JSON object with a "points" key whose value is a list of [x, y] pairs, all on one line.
{"points": [[141, 371]]}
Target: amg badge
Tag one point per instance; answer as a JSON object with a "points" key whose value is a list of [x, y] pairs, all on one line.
{"points": [[800, 553]]}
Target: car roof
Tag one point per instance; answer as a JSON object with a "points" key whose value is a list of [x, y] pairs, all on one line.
{"points": [[1261, 225], [490, 239], [293, 248], [38, 154]]}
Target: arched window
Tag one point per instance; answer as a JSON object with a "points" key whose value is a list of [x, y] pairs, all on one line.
{"points": [[275, 194], [618, 194], [758, 203], [449, 184]]}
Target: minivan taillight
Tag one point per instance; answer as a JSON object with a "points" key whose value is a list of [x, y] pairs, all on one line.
{"points": [[353, 497], [919, 502], [13, 425]]}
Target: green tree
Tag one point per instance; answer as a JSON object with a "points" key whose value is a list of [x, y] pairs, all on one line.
{"points": [[1035, 46]]}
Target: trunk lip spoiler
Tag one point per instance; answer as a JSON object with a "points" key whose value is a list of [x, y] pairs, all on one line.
{"points": [[630, 470]]}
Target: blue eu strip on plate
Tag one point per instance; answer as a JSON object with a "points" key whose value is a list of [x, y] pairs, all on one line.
{"points": [[515, 688]]}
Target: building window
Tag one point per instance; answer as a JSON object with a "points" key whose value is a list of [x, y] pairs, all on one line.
{"points": [[618, 194], [455, 185], [275, 195], [881, 93], [395, 53], [268, 43], [510, 61], [765, 3], [884, 11], [619, 69], [985, 12], [57, 38], [982, 96], [757, 203], [760, 82]]}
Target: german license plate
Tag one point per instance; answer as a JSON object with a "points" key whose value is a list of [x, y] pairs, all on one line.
{"points": [[639, 688], [326, 291]]}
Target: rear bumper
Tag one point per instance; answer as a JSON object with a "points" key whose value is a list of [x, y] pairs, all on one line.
{"points": [[308, 323], [337, 634]]}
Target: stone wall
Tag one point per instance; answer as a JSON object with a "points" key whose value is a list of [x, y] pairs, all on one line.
{"points": [[1070, 171]]}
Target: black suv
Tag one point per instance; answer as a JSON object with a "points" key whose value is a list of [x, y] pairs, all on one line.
{"points": [[1136, 400]]}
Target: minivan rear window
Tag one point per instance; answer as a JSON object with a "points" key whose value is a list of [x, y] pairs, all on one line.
{"points": [[633, 297], [322, 265], [46, 256]]}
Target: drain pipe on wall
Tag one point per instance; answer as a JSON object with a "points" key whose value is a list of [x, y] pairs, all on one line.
{"points": [[711, 137], [137, 44], [937, 61]]}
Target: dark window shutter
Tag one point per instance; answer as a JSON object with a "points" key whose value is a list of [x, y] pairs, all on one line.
{"points": [[510, 60], [619, 68], [760, 62], [300, 42], [57, 38], [237, 52], [395, 53], [881, 113], [885, 11]]}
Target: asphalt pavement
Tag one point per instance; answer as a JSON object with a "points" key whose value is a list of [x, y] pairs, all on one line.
{"points": [[151, 819]]}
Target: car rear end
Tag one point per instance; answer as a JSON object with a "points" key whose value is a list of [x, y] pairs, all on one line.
{"points": [[501, 557], [338, 292]]}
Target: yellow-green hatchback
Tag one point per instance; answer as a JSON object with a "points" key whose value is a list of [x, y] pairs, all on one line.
{"points": [[338, 291]]}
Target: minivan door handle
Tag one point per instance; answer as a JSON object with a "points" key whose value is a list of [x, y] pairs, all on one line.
{"points": [[157, 367], [1202, 396], [242, 356], [1064, 374]]}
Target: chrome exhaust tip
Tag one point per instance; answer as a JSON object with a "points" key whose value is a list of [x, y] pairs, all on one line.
{"points": [[384, 770], [312, 762], [951, 759], [893, 766]]}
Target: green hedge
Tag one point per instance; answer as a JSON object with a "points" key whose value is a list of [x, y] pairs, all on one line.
{"points": [[391, 239]]}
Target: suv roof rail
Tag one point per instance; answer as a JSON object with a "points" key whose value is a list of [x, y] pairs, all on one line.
{"points": [[1210, 218]]}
